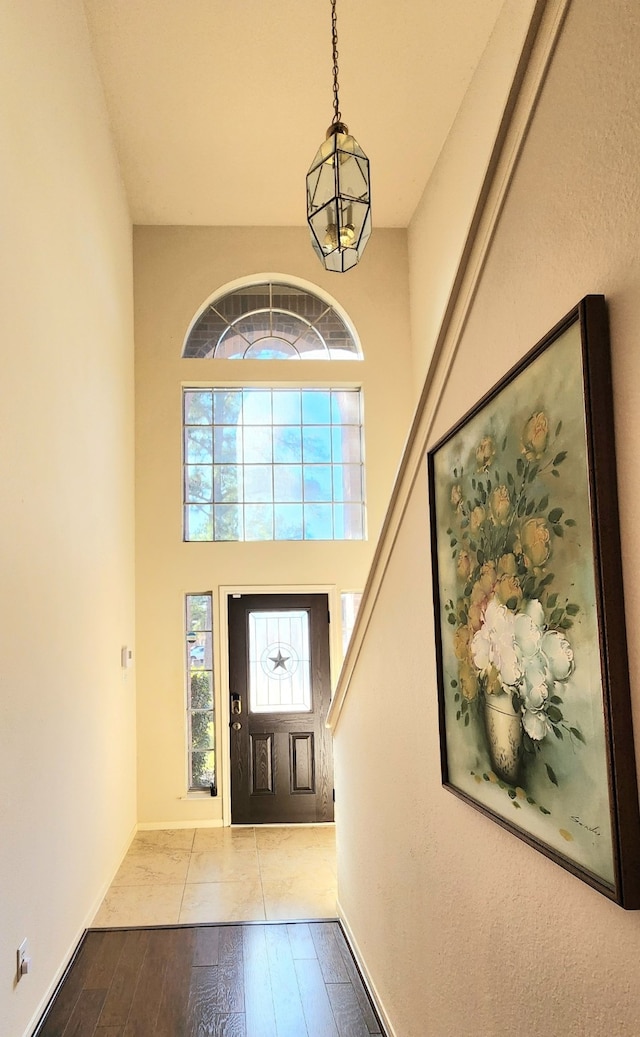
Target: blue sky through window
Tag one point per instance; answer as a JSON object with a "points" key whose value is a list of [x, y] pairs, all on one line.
{"points": [[263, 464]]}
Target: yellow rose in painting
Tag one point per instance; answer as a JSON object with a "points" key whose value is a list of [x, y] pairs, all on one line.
{"points": [[535, 436], [507, 588], [535, 540], [456, 496], [480, 594], [487, 578], [476, 518], [463, 565], [468, 680], [461, 641], [485, 453], [500, 504], [507, 565]]}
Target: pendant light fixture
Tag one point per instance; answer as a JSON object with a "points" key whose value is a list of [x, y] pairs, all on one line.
{"points": [[338, 189]]}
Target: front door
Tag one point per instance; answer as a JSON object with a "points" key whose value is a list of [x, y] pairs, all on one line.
{"points": [[279, 686]]}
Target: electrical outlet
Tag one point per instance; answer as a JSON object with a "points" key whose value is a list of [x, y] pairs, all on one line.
{"points": [[24, 961]]}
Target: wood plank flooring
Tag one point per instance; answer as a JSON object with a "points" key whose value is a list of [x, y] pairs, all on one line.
{"points": [[276, 980]]}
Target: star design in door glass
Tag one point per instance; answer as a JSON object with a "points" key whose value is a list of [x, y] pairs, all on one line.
{"points": [[279, 661]]}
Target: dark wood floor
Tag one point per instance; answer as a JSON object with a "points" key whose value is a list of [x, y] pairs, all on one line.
{"points": [[274, 980]]}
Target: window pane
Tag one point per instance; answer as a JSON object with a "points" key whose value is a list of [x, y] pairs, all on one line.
{"points": [[286, 407], [198, 522], [200, 654], [350, 604], [227, 406], [346, 443], [198, 446], [318, 522], [227, 483], [271, 349], [287, 483], [227, 443], [199, 483], [197, 407], [347, 482], [256, 406], [287, 444], [316, 406], [257, 445], [288, 522], [201, 690], [345, 407], [349, 521], [316, 443], [257, 482], [317, 482], [258, 522], [198, 612], [228, 522], [279, 662], [202, 730], [202, 769]]}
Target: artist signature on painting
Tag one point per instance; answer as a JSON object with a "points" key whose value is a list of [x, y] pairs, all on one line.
{"points": [[579, 821]]}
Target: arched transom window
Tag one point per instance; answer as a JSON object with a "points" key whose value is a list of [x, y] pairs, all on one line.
{"points": [[270, 321]]}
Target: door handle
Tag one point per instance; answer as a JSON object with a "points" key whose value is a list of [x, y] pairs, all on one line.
{"points": [[236, 705]]}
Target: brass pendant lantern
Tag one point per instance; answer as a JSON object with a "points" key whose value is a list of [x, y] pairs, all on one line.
{"points": [[338, 189]]}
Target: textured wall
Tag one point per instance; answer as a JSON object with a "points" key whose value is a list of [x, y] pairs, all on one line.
{"points": [[466, 931], [67, 717]]}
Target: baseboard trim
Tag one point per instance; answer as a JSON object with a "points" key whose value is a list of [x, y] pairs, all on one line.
{"points": [[38, 1016], [364, 973], [157, 826]]}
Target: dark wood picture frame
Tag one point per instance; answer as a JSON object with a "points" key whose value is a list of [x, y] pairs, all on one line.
{"points": [[533, 682]]}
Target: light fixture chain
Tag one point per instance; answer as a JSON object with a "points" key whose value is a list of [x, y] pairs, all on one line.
{"points": [[334, 39]]}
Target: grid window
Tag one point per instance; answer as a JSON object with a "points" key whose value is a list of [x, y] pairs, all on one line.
{"points": [[273, 464], [199, 661]]}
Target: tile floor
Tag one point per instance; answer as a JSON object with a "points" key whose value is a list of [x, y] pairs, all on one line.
{"points": [[224, 875]]}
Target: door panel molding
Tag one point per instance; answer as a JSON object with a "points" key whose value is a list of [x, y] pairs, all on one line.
{"points": [[302, 762], [262, 781]]}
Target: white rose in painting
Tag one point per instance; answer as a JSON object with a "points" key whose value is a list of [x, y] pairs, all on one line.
{"points": [[558, 654], [528, 659], [494, 644]]}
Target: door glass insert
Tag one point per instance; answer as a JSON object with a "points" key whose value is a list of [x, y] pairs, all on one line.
{"points": [[279, 662]]}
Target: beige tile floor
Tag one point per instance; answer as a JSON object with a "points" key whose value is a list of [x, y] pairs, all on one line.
{"points": [[224, 875]]}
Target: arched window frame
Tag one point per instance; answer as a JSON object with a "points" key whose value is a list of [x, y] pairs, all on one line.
{"points": [[324, 318]]}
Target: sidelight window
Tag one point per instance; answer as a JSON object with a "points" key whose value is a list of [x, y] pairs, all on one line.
{"points": [[199, 660]]}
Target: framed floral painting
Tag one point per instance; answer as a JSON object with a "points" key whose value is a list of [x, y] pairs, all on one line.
{"points": [[535, 714]]}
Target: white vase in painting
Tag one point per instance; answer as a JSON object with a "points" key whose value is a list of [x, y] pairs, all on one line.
{"points": [[504, 736]]}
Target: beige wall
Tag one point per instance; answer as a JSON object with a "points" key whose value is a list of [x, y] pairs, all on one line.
{"points": [[176, 270], [466, 931], [439, 230], [67, 717]]}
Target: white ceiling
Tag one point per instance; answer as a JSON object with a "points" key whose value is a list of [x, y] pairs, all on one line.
{"points": [[218, 106]]}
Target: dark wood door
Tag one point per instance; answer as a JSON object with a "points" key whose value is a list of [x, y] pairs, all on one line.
{"points": [[279, 686]]}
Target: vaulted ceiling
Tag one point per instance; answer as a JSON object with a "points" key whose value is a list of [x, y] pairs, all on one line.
{"points": [[218, 106]]}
